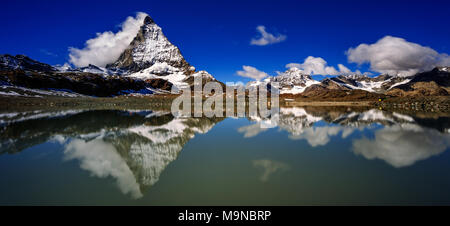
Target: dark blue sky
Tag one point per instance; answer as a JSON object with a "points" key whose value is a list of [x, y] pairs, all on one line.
{"points": [[215, 35]]}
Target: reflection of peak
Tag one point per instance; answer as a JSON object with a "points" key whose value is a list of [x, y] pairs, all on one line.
{"points": [[300, 123], [133, 147], [301, 113], [152, 148], [149, 149], [102, 160], [295, 120], [372, 116], [174, 128], [401, 142], [147, 160]]}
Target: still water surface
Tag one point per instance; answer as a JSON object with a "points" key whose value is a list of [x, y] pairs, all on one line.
{"points": [[312, 156]]}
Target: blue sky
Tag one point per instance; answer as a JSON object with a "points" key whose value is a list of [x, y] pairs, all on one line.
{"points": [[215, 35]]}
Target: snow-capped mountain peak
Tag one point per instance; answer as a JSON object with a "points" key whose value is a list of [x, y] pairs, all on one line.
{"points": [[149, 47], [293, 81], [294, 74], [151, 56]]}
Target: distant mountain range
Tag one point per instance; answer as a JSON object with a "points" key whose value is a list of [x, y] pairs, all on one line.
{"points": [[294, 82], [153, 65]]}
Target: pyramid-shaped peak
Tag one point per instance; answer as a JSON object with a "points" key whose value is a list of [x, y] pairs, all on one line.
{"points": [[148, 20], [149, 47]]}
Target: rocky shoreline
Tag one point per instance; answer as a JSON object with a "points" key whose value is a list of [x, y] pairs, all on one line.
{"points": [[163, 102]]}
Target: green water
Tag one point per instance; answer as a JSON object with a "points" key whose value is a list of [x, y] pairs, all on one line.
{"points": [[308, 157]]}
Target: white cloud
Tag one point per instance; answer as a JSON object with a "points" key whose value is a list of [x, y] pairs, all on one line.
{"points": [[102, 160], [251, 72], [252, 130], [402, 145], [266, 38], [344, 69], [270, 167], [317, 136], [318, 66], [396, 56], [107, 46]]}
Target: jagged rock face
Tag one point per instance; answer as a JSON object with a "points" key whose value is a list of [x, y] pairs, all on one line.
{"points": [[150, 46], [22, 62]]}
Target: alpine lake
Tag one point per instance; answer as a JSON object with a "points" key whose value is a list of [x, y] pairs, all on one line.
{"points": [[311, 156]]}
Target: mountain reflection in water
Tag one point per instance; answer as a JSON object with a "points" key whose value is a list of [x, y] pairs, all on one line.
{"points": [[400, 142], [135, 147]]}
